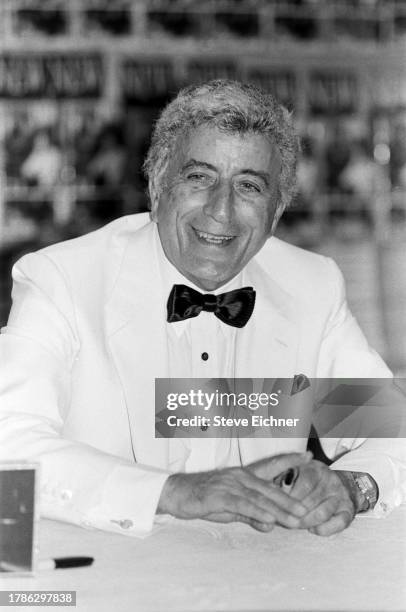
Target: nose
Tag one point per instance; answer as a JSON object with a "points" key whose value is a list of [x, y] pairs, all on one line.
{"points": [[220, 204]]}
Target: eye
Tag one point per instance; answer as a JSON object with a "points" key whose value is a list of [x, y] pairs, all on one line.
{"points": [[250, 187], [197, 177]]}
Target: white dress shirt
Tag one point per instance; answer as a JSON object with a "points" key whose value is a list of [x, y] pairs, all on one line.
{"points": [[202, 347]]}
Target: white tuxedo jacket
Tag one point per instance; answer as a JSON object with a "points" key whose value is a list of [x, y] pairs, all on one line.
{"points": [[86, 339]]}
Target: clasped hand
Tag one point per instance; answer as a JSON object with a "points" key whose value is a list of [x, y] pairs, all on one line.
{"points": [[329, 500], [319, 500]]}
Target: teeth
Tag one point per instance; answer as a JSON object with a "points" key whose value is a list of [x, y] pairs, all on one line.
{"points": [[214, 239]]}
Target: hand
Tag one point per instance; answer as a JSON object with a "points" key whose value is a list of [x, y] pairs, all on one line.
{"points": [[233, 494], [329, 498], [273, 467]]}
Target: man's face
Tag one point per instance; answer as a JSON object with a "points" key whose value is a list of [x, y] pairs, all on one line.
{"points": [[217, 209]]}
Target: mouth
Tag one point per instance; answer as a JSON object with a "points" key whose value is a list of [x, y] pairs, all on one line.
{"points": [[214, 239]]}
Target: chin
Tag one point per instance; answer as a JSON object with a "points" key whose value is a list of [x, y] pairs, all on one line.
{"points": [[204, 283], [210, 284], [209, 278]]}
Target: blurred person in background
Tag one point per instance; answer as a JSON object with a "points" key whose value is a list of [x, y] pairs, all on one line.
{"points": [[83, 142], [18, 144], [302, 228], [361, 176], [106, 166], [43, 165], [398, 154], [307, 172], [106, 171], [338, 153]]}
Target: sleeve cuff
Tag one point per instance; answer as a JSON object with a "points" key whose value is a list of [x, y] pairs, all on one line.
{"points": [[382, 469], [129, 500]]}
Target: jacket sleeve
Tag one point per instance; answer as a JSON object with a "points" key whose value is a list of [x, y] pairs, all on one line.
{"points": [[345, 353], [38, 347]]}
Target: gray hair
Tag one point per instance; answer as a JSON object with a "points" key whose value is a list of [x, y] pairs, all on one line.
{"points": [[232, 107]]}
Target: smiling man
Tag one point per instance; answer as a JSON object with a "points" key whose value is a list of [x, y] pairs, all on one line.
{"points": [[198, 289], [219, 204]]}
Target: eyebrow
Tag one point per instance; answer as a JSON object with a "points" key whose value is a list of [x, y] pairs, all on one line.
{"points": [[194, 162], [249, 171], [258, 173]]}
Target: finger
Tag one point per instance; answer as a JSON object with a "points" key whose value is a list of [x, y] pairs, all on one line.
{"points": [[249, 508], [258, 500], [280, 506], [271, 467], [335, 524], [228, 517], [220, 517], [308, 488], [313, 492], [265, 510], [321, 513], [239, 492], [263, 527], [274, 495]]}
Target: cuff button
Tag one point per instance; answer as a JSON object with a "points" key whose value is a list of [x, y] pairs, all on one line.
{"points": [[66, 494]]}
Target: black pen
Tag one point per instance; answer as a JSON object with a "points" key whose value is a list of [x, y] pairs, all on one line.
{"points": [[287, 479], [64, 563]]}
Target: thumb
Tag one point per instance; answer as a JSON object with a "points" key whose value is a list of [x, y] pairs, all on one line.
{"points": [[270, 467]]}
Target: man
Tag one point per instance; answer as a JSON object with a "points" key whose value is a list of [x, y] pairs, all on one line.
{"points": [[92, 327]]}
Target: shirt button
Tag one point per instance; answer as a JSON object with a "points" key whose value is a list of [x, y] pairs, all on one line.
{"points": [[205, 356]]}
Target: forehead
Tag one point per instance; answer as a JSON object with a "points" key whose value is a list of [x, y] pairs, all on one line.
{"points": [[227, 151]]}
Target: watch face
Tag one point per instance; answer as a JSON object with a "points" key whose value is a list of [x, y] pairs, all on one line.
{"points": [[368, 489]]}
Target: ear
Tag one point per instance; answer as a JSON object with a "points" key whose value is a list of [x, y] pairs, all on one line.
{"points": [[277, 215], [154, 200]]}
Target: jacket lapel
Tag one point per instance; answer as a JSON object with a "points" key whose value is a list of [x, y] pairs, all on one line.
{"points": [[267, 348], [135, 321], [267, 345]]}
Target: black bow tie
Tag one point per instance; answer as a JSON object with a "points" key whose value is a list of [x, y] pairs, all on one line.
{"points": [[234, 307]]}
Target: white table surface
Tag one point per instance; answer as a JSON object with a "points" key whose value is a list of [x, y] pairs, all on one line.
{"points": [[199, 565]]}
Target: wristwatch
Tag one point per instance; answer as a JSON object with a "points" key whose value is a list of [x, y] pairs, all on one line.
{"points": [[368, 489]]}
